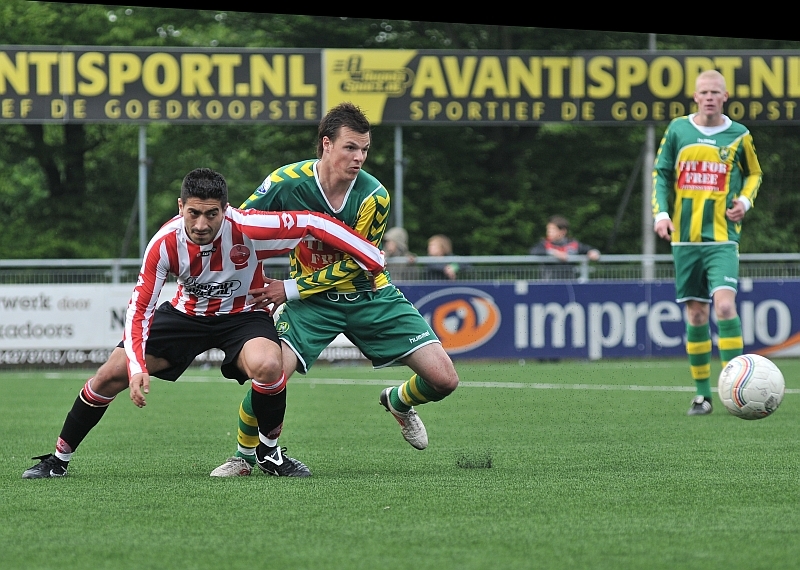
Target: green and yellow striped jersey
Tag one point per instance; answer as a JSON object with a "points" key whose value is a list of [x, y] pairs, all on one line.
{"points": [[315, 266], [705, 168]]}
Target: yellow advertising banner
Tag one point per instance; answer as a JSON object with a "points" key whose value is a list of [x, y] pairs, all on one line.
{"points": [[447, 87], [192, 85], [101, 84]]}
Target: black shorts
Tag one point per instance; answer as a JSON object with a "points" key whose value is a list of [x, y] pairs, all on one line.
{"points": [[179, 338]]}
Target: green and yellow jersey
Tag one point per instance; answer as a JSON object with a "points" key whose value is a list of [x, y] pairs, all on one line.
{"points": [[317, 267], [705, 168]]}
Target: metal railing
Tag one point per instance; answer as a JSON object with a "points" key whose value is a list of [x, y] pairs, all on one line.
{"points": [[578, 268], [470, 268]]}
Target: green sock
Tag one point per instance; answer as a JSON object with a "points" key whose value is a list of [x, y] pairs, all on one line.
{"points": [[698, 347], [249, 457], [396, 402], [731, 343], [414, 392], [247, 437]]}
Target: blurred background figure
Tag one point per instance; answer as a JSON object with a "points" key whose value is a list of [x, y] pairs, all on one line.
{"points": [[395, 244], [399, 261], [439, 245], [559, 244]]}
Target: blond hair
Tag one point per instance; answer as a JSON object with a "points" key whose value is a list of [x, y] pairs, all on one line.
{"points": [[711, 74], [444, 241]]}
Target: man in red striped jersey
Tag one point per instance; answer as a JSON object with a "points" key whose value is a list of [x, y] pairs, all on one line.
{"points": [[215, 251]]}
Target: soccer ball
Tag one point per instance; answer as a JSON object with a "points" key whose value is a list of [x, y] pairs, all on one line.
{"points": [[751, 387]]}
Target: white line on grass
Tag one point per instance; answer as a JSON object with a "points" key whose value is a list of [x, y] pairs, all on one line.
{"points": [[463, 384]]}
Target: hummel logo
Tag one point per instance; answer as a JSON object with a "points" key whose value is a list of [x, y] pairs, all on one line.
{"points": [[419, 336]]}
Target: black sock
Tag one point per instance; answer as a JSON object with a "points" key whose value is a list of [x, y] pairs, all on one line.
{"points": [[80, 421], [269, 410]]}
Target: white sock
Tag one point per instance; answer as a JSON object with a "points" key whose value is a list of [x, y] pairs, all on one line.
{"points": [[267, 441]]}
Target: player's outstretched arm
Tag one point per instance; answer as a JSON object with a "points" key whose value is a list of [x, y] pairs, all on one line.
{"points": [[370, 224]]}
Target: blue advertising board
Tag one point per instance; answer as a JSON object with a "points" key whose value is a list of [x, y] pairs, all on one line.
{"points": [[594, 320]]}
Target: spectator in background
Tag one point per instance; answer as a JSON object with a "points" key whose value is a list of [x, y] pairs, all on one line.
{"points": [[559, 244], [398, 258], [439, 245], [395, 244]]}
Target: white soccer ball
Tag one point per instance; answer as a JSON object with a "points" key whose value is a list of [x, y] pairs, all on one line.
{"points": [[751, 387]]}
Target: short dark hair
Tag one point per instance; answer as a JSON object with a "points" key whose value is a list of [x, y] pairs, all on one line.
{"points": [[560, 222], [205, 184], [342, 115]]}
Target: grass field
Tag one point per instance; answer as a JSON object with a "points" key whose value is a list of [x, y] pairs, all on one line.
{"points": [[545, 465]]}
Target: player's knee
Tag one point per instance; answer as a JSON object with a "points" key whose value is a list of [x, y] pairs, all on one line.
{"points": [[108, 384], [446, 382], [725, 310], [268, 371], [697, 315], [452, 382]]}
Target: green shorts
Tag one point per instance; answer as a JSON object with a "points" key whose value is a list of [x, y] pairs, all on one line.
{"points": [[700, 270], [384, 325]]}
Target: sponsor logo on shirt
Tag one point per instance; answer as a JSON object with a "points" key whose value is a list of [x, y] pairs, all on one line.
{"points": [[261, 190], [211, 290], [207, 252], [702, 175], [239, 255]]}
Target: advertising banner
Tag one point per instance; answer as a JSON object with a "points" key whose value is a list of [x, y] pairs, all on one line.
{"points": [[81, 324], [180, 85], [73, 325], [438, 87], [519, 87], [63, 324], [594, 320]]}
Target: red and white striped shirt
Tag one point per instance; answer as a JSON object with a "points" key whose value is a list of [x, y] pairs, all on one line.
{"points": [[213, 279]]}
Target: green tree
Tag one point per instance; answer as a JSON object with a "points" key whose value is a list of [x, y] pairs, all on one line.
{"points": [[72, 189]]}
